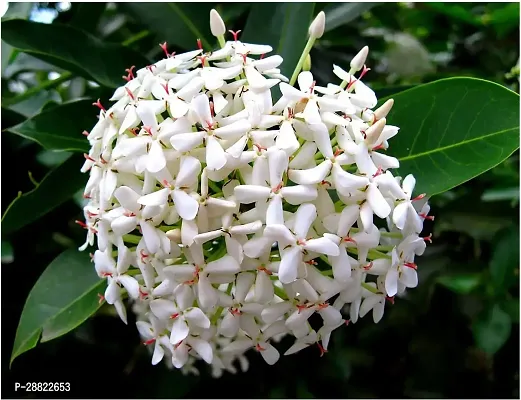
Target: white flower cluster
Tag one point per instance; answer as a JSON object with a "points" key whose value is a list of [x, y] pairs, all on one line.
{"points": [[229, 220]]}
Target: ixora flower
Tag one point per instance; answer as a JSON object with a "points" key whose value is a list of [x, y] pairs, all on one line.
{"points": [[212, 205]]}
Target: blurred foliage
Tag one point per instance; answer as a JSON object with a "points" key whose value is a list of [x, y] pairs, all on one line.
{"points": [[456, 335]]}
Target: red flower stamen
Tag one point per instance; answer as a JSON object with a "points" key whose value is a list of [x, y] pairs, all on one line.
{"points": [[129, 214], [259, 147], [149, 341], [130, 94], [99, 105], [321, 348], [107, 274], [174, 316], [212, 109], [349, 239], [202, 59], [410, 265], [259, 348], [101, 298], [85, 133], [425, 216], [311, 262], [312, 87], [379, 147], [324, 183], [91, 214], [419, 197], [103, 161], [351, 82], [428, 238], [149, 67], [321, 306], [390, 299], [378, 172], [199, 44], [365, 70], [301, 307], [262, 56], [338, 152], [87, 196], [235, 311], [142, 294], [264, 269], [235, 34], [165, 49], [143, 255], [165, 86], [87, 157], [82, 224], [148, 130], [130, 72], [244, 56], [368, 266], [277, 188]]}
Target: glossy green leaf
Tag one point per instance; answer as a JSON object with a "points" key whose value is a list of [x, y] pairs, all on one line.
{"points": [[501, 194], [65, 295], [492, 329], [505, 259], [463, 283], [283, 26], [58, 186], [338, 14], [81, 53], [61, 127], [453, 130], [7, 252], [179, 24], [511, 307]]}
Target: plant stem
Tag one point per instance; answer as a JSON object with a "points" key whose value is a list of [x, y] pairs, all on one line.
{"points": [[307, 49], [138, 36]]}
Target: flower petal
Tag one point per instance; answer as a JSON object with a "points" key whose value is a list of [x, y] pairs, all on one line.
{"points": [[323, 246], [288, 268], [180, 331], [215, 155], [185, 204], [304, 217], [310, 176]]}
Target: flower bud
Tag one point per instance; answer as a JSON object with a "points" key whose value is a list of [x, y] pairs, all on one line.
{"points": [[384, 109], [358, 61], [316, 29], [174, 235], [216, 24], [307, 64]]}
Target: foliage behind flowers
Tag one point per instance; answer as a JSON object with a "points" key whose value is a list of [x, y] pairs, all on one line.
{"points": [[252, 215]]}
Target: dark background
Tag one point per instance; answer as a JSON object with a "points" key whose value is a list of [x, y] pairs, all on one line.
{"points": [[429, 345]]}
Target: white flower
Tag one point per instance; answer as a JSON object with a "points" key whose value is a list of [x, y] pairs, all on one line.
{"points": [[236, 219]]}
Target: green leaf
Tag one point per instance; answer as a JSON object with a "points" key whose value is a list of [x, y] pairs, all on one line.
{"points": [[65, 295], [179, 24], [81, 53], [463, 283], [505, 259], [283, 26], [58, 186], [456, 11], [60, 127], [501, 194], [7, 252], [453, 130], [511, 307], [492, 329], [339, 14]]}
